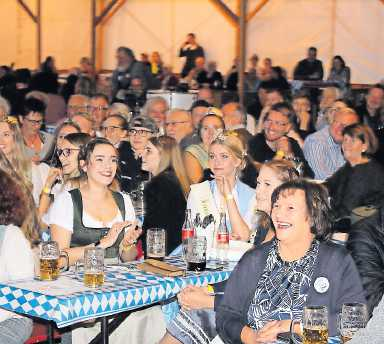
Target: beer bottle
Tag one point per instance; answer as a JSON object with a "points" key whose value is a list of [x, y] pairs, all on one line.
{"points": [[222, 239], [188, 230]]}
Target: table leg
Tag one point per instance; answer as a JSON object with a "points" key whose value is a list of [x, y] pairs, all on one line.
{"points": [[104, 330]]}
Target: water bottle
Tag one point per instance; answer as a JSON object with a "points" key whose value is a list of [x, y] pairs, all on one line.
{"points": [[188, 230], [222, 240]]}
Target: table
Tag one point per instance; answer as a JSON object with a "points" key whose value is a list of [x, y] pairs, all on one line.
{"points": [[67, 301]]}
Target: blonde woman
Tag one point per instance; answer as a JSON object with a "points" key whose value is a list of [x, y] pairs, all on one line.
{"points": [[12, 145], [226, 159], [165, 194]]}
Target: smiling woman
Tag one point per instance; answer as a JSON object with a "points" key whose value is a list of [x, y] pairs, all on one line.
{"points": [[112, 222], [273, 283]]}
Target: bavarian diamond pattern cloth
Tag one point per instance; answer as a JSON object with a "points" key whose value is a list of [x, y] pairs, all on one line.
{"points": [[66, 301]]}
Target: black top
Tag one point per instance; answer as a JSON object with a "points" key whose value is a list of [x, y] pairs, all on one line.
{"points": [[165, 207], [305, 69], [355, 186], [375, 122], [259, 150], [366, 244], [191, 55], [335, 281], [130, 172]]}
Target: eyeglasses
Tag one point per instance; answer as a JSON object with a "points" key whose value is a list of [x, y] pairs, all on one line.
{"points": [[140, 132], [34, 122], [174, 123], [111, 128], [66, 151], [94, 108]]}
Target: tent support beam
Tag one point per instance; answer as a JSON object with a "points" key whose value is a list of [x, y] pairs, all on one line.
{"points": [[37, 20], [226, 11], [242, 7], [257, 9], [96, 20]]}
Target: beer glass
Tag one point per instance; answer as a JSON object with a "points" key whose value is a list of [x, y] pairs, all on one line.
{"points": [[156, 243], [196, 253], [93, 267], [315, 325], [353, 317], [49, 261]]}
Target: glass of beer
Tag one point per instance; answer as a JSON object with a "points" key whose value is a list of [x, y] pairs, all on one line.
{"points": [[156, 248], [196, 253], [353, 317], [315, 325], [49, 261], [93, 267]]}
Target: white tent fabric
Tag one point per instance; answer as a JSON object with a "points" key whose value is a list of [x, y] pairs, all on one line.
{"points": [[282, 30]]}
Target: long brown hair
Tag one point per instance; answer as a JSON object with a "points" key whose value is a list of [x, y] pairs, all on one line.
{"points": [[171, 158]]}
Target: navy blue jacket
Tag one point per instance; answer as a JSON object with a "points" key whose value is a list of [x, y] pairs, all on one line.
{"points": [[333, 262]]}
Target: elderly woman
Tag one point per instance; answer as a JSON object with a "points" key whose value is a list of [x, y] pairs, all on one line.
{"points": [[359, 182], [198, 304], [272, 284], [196, 156]]}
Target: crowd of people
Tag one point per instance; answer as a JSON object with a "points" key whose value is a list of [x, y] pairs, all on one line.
{"points": [[309, 162]]}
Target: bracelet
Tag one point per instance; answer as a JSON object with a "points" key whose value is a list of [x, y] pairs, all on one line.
{"points": [[97, 243], [210, 289], [46, 190], [129, 246], [228, 197], [280, 154]]}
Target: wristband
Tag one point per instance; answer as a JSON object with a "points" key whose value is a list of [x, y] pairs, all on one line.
{"points": [[210, 289], [97, 243], [228, 197], [46, 190], [280, 154]]}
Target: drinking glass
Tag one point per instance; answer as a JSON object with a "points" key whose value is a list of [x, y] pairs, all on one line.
{"points": [[353, 317], [196, 253], [315, 325], [93, 267], [156, 243], [49, 261]]}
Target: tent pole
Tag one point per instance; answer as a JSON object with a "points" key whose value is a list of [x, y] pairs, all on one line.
{"points": [[93, 32], [38, 22], [242, 46]]}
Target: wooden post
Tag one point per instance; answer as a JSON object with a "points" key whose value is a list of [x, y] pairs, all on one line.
{"points": [[242, 46], [38, 22], [257, 9], [93, 32]]}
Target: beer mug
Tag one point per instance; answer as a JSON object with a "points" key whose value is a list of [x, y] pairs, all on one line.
{"points": [[315, 325], [196, 253], [156, 243], [93, 267], [49, 261], [353, 317]]}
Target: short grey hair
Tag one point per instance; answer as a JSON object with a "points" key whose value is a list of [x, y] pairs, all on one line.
{"points": [[152, 101]]}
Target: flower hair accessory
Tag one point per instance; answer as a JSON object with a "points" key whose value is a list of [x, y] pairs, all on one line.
{"points": [[11, 120], [222, 135]]}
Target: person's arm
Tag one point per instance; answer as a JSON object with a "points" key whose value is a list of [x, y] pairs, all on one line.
{"points": [[45, 196], [193, 168]]}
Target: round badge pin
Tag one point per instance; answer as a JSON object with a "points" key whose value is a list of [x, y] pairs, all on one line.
{"points": [[321, 284]]}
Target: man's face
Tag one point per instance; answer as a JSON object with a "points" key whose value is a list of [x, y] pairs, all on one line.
{"points": [[157, 112], [191, 39], [340, 121], [200, 62], [273, 98], [122, 58], [375, 98], [32, 123], [77, 105], [197, 114], [86, 126], [276, 125], [231, 116], [178, 125], [99, 109], [312, 54]]}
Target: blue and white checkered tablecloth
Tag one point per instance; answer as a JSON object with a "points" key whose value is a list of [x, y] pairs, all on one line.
{"points": [[125, 288]]}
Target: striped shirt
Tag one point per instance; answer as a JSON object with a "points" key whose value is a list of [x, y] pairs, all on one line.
{"points": [[323, 154]]}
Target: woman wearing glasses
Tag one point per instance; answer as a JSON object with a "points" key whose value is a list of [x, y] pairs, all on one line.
{"points": [[140, 130], [12, 145], [65, 177], [37, 142]]}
